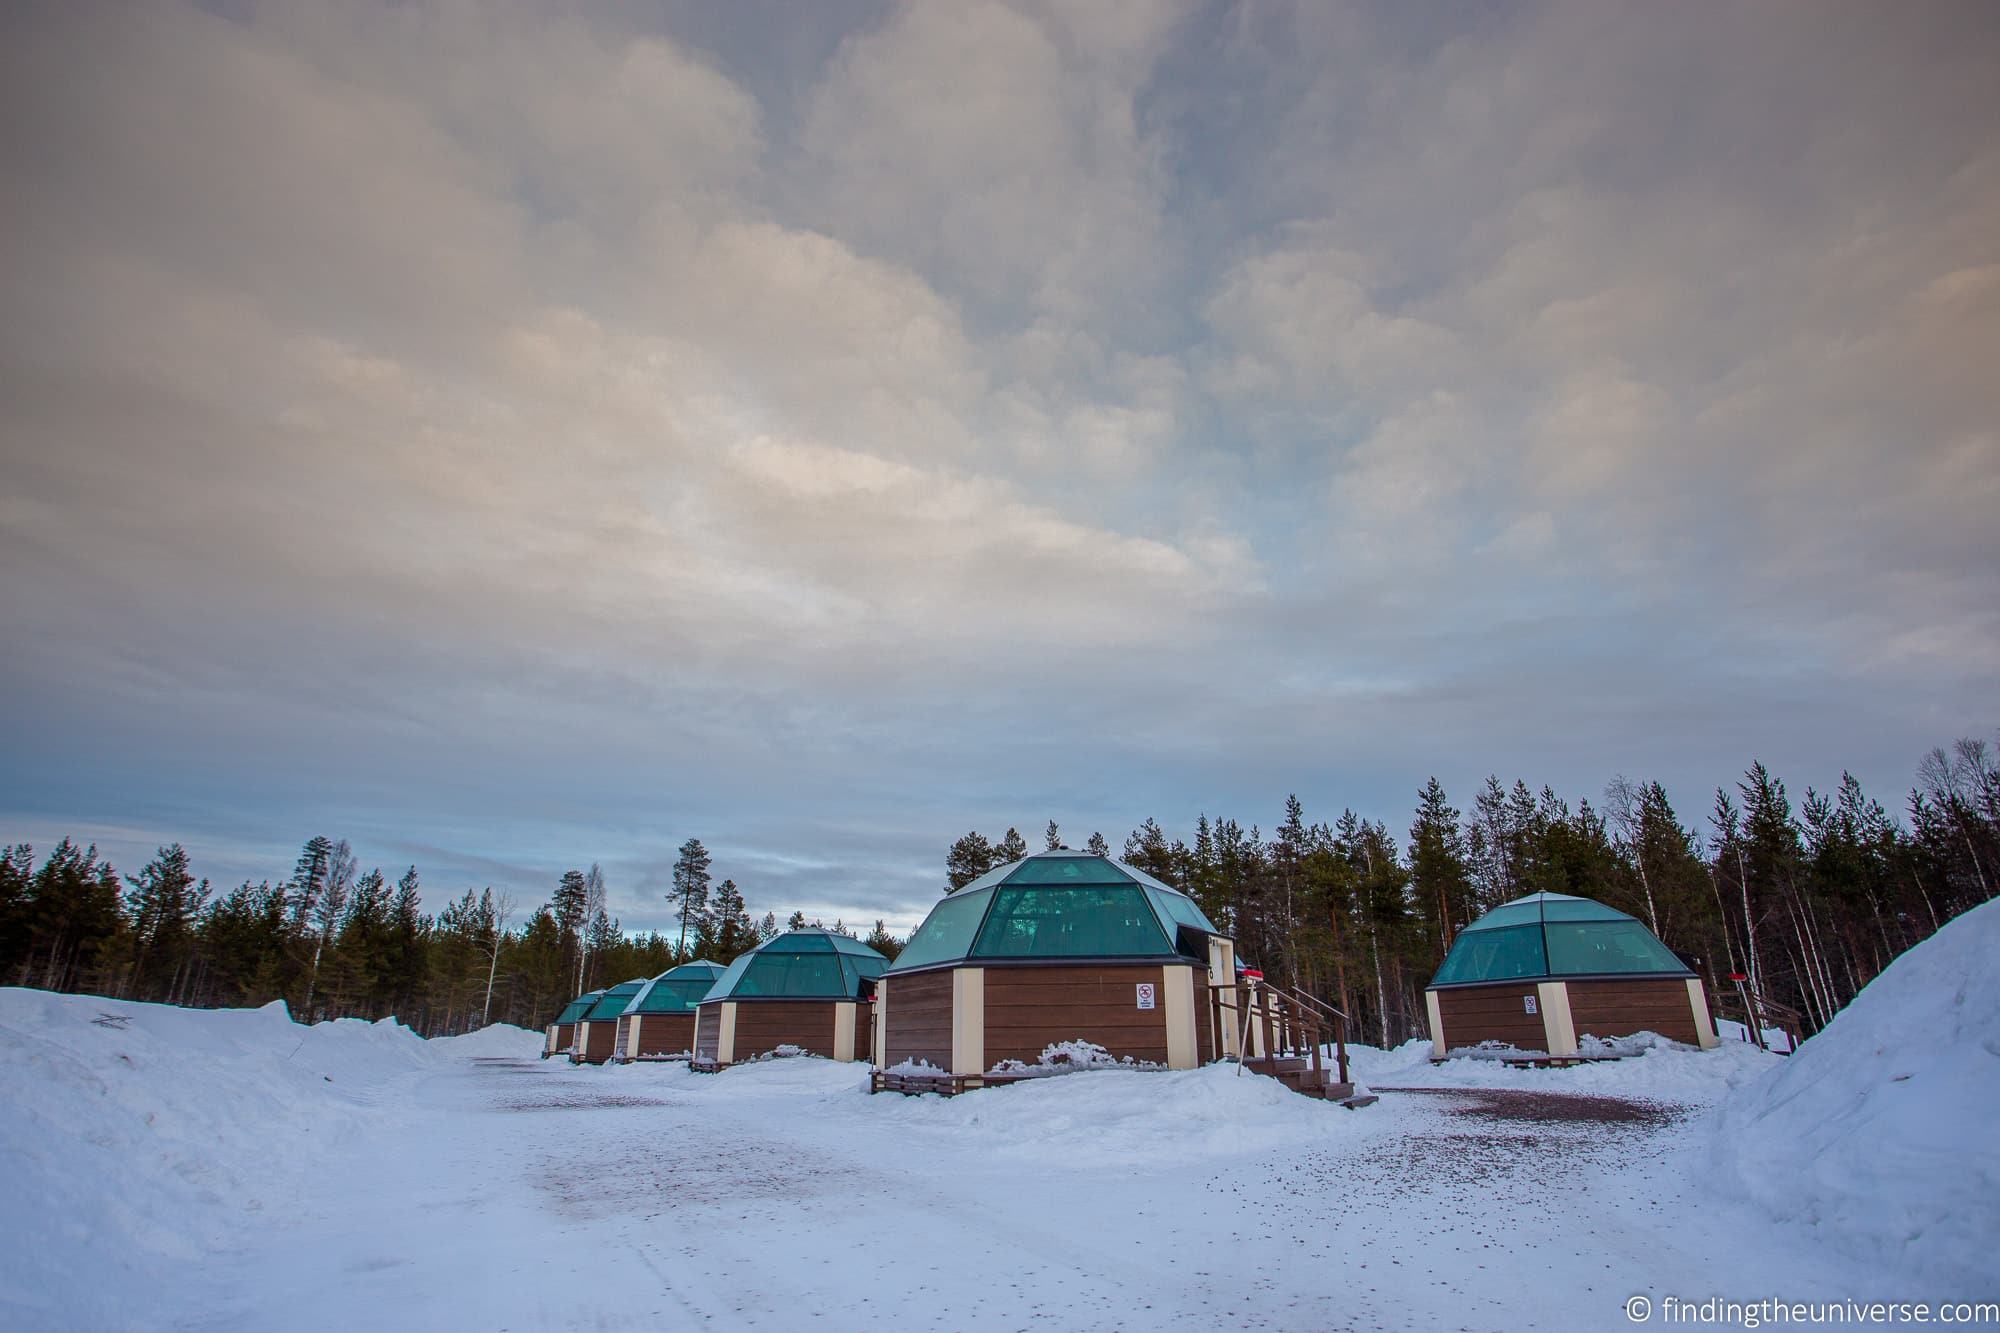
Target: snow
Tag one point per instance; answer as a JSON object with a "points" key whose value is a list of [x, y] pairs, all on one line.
{"points": [[237, 1171], [1776, 1038], [1069, 1057], [1878, 1135]]}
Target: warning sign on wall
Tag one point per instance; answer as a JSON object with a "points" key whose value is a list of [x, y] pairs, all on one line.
{"points": [[1528, 1004], [1145, 995]]}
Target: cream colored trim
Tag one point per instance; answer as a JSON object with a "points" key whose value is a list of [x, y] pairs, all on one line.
{"points": [[1254, 1009], [1438, 1048], [843, 1030], [1222, 972], [725, 1037], [549, 1040], [1704, 1026], [878, 1043], [1558, 1024], [1177, 999], [968, 1020], [632, 1038]]}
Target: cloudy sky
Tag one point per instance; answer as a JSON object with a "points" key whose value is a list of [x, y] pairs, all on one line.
{"points": [[509, 436]]}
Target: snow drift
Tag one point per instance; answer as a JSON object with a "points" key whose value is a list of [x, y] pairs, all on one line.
{"points": [[137, 1137], [1878, 1133]]}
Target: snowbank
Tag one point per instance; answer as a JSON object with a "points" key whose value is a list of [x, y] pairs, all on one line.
{"points": [[134, 1137], [1878, 1133], [1654, 1069]]}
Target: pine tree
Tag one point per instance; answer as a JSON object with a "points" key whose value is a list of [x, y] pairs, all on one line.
{"points": [[882, 942], [968, 858], [308, 880], [165, 905], [689, 895], [569, 905], [730, 924], [1148, 850], [1010, 848], [1052, 837], [1438, 869], [1097, 846]]}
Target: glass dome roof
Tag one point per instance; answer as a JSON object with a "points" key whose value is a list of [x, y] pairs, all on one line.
{"points": [[1055, 905], [577, 1008], [677, 990], [1555, 935], [811, 964], [611, 1003]]}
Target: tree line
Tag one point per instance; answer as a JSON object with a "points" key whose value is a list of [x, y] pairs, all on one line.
{"points": [[333, 942], [1808, 901]]}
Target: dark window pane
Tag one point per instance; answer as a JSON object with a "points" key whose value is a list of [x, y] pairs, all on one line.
{"points": [[1608, 946], [1071, 923], [1494, 955]]}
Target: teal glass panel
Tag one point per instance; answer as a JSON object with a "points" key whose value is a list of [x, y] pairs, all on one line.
{"points": [[1181, 910], [612, 1003], [807, 941], [947, 932], [1509, 914], [1141, 877], [1584, 949], [1052, 922], [1068, 870], [575, 1009], [1494, 955], [872, 966], [675, 995], [986, 881], [726, 983], [1580, 909], [811, 975]]}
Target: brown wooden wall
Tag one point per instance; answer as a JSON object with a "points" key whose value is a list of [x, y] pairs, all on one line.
{"points": [[919, 1019], [1029, 1008], [1638, 1004], [598, 1039], [864, 1031], [1204, 1018], [764, 1025], [665, 1034], [708, 1031], [1472, 1014], [564, 1031]]}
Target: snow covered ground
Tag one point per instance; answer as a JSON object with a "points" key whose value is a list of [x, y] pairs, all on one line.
{"points": [[237, 1171]]}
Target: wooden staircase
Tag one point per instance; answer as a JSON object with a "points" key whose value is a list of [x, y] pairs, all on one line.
{"points": [[1290, 1029]]}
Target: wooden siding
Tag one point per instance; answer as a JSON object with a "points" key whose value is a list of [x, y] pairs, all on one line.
{"points": [[708, 1031], [564, 1033], [1030, 1008], [1473, 1014], [1204, 1018], [864, 1031], [919, 1019], [666, 1034], [764, 1025], [1639, 1004], [597, 1041]]}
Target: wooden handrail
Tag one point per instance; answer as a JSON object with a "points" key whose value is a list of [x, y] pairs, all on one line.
{"points": [[1292, 1020]]}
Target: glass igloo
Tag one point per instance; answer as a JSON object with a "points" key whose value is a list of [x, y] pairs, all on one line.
{"points": [[1055, 905], [1555, 935]]}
